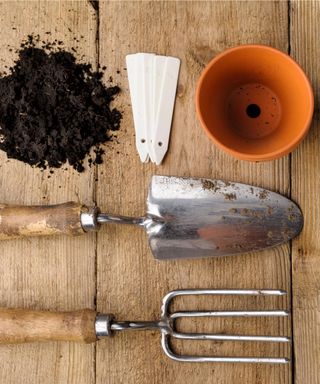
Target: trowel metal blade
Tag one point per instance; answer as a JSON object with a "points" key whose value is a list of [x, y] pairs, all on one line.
{"points": [[191, 218]]}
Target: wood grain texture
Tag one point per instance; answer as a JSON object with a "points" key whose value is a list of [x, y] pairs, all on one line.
{"points": [[130, 282], [42, 273], [40, 220], [25, 326], [59, 274], [305, 190]]}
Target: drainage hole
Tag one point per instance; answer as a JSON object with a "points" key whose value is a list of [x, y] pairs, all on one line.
{"points": [[253, 110]]}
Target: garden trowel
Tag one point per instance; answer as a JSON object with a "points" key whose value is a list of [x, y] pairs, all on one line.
{"points": [[186, 217]]}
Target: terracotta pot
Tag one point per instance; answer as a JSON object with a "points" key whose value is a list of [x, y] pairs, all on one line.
{"points": [[254, 102]]}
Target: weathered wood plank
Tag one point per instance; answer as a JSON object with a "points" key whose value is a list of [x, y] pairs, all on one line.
{"points": [[130, 282], [305, 190], [57, 274]]}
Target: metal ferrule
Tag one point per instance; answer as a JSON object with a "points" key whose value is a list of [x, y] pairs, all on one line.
{"points": [[89, 219], [103, 325]]}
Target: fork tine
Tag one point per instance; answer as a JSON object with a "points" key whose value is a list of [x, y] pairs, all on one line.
{"points": [[216, 292], [176, 315], [222, 337], [217, 359]]}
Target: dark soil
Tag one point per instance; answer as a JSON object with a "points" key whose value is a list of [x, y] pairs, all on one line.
{"points": [[54, 110]]}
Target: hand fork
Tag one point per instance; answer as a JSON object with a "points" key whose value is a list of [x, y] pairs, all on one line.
{"points": [[19, 325]]}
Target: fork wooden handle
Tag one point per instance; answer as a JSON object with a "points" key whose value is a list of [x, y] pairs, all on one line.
{"points": [[24, 326], [20, 221]]}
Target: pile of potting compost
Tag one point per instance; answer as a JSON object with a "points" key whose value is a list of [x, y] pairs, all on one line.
{"points": [[54, 110]]}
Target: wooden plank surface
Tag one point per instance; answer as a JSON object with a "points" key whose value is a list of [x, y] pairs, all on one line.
{"points": [[46, 273], [130, 282], [115, 270], [305, 190]]}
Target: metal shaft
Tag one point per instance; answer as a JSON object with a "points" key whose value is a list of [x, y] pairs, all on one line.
{"points": [[104, 218], [137, 325], [92, 218]]}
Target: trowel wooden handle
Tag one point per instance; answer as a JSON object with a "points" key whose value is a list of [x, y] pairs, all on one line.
{"points": [[19, 221], [24, 326]]}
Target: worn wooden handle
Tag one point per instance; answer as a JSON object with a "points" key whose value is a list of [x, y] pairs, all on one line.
{"points": [[19, 221], [25, 326]]}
